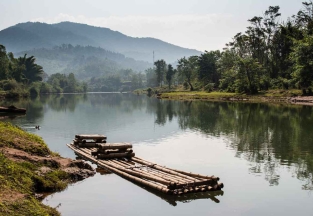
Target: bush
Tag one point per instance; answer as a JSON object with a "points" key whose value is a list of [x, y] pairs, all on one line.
{"points": [[209, 87], [186, 85], [45, 88], [8, 85]]}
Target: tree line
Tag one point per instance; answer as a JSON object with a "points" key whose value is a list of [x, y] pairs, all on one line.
{"points": [[22, 76], [270, 54]]}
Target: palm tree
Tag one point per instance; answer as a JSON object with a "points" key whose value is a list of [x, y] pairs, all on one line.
{"points": [[32, 72]]}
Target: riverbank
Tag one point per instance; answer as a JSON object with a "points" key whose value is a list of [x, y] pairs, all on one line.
{"points": [[28, 169], [284, 96]]}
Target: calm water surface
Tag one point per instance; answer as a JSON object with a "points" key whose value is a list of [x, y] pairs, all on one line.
{"points": [[262, 153]]}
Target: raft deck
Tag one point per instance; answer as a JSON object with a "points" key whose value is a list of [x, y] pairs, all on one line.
{"points": [[151, 175]]}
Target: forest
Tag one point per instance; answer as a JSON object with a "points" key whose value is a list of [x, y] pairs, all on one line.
{"points": [[270, 54], [23, 77]]}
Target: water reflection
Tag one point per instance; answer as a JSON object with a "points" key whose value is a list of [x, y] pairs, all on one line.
{"points": [[267, 135]]}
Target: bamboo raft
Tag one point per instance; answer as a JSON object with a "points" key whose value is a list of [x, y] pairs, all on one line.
{"points": [[120, 159]]}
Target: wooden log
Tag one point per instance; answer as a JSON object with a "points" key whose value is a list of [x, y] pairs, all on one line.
{"points": [[114, 146], [90, 136], [123, 174], [166, 170], [115, 155], [86, 145], [127, 164], [171, 182], [181, 183], [170, 178], [186, 173], [140, 174], [196, 175], [158, 167], [110, 151]]}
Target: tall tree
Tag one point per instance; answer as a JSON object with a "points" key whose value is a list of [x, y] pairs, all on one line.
{"points": [[160, 71], [169, 75], [302, 57], [32, 72], [187, 69], [4, 63], [207, 71]]}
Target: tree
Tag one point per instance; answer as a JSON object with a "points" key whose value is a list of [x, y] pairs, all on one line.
{"points": [[207, 71], [187, 69], [169, 75], [302, 57], [304, 18], [249, 73], [4, 63], [151, 77], [32, 72], [160, 70]]}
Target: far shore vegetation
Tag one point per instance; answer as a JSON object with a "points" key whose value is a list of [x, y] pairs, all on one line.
{"points": [[271, 58]]}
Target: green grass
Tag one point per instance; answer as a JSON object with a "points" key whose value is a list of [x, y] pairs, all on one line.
{"points": [[12, 136], [225, 95], [22, 179]]}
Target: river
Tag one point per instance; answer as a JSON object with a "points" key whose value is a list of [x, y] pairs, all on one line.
{"points": [[263, 153]]}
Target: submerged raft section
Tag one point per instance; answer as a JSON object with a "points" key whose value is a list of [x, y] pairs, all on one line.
{"points": [[120, 159]]}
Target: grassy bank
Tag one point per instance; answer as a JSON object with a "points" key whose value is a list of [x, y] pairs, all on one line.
{"points": [[27, 169], [270, 95]]}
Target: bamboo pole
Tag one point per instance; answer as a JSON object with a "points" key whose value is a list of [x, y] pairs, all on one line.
{"points": [[140, 174], [135, 179], [173, 182], [114, 146], [109, 151], [164, 169], [186, 173], [168, 182], [115, 155]]}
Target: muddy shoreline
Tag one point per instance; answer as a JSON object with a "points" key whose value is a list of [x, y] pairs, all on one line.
{"points": [[296, 100], [29, 171]]}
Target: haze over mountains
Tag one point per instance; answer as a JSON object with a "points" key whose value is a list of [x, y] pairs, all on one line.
{"points": [[28, 36]]}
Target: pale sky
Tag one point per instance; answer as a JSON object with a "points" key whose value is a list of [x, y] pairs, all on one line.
{"points": [[196, 24]]}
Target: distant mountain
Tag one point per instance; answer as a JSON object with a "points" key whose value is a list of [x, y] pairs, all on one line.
{"points": [[27, 36]]}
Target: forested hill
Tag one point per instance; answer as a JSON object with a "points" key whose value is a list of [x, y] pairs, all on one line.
{"points": [[27, 36], [84, 61]]}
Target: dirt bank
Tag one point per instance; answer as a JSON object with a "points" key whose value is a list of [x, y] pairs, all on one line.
{"points": [[29, 169]]}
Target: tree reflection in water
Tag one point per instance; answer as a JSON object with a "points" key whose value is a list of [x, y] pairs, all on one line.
{"points": [[267, 135]]}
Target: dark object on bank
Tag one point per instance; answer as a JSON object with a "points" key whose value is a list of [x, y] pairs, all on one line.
{"points": [[12, 109]]}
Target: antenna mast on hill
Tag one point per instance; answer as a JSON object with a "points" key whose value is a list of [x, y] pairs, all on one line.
{"points": [[153, 56]]}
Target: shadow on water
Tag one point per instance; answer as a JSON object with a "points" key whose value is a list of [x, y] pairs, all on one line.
{"points": [[11, 116]]}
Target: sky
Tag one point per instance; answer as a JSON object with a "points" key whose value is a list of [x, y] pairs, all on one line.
{"points": [[195, 24]]}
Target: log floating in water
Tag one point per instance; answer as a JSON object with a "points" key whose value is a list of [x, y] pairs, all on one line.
{"points": [[114, 146], [115, 155], [90, 136]]}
